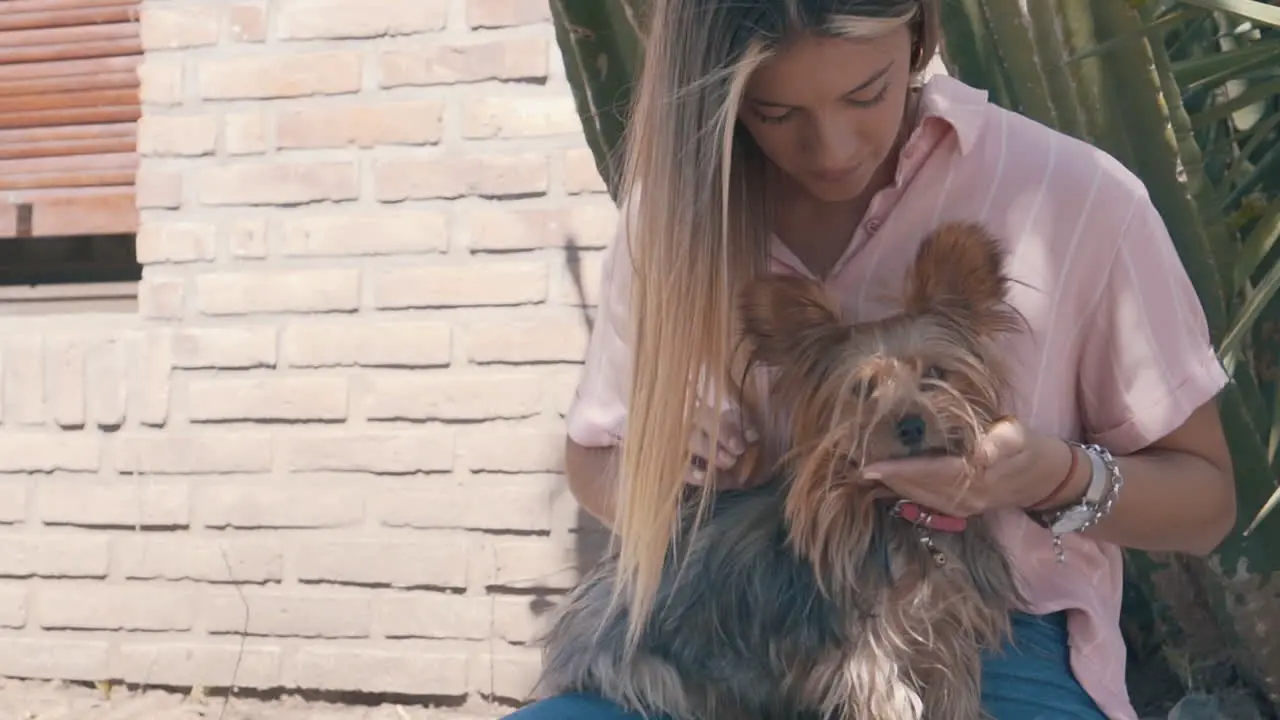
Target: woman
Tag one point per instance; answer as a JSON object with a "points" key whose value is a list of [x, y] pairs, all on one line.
{"points": [[792, 136]]}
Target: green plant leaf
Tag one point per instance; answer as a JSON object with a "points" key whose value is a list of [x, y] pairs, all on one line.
{"points": [[1259, 243], [1252, 9]]}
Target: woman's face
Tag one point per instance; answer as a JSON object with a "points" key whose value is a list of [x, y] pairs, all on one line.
{"points": [[827, 111]]}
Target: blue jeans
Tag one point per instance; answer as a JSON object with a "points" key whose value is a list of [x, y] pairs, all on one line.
{"points": [[1030, 682]]}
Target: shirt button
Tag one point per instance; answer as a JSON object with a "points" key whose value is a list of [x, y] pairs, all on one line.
{"points": [[873, 225]]}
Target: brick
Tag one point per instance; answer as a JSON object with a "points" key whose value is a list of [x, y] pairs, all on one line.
{"points": [[247, 22], [13, 499], [176, 242], [120, 502], [160, 81], [246, 133], [581, 175], [45, 658], [506, 13], [512, 450], [285, 291], [492, 176], [295, 399], [367, 343], [518, 620], [279, 183], [415, 672], [225, 348], [342, 19], [451, 396], [50, 555], [162, 298], [165, 28], [209, 559], [64, 379], [108, 372], [157, 189], [177, 453], [520, 117], [521, 503], [466, 285], [462, 286], [512, 672], [438, 563], [394, 453], [365, 126], [306, 503], [493, 228], [533, 564], [24, 451], [383, 233], [435, 64], [263, 77], [73, 606], [13, 605], [207, 664], [433, 615], [149, 403], [177, 135], [247, 239], [283, 613], [535, 340], [24, 384]]}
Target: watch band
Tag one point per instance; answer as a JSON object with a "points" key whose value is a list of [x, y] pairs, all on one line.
{"points": [[1104, 486]]}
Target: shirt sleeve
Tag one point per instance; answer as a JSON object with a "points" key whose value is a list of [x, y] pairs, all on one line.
{"points": [[1147, 361], [598, 410]]}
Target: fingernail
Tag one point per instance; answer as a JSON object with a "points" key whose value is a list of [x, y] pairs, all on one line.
{"points": [[699, 476], [752, 435], [872, 475], [736, 446]]}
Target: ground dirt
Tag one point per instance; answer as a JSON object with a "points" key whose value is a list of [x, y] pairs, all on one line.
{"points": [[24, 700]]}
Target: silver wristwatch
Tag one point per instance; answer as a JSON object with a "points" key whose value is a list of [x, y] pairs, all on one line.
{"points": [[1105, 481]]}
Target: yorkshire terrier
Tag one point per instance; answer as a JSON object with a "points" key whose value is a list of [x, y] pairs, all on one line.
{"points": [[817, 595]]}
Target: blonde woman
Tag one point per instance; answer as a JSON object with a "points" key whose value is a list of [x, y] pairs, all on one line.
{"points": [[795, 136]]}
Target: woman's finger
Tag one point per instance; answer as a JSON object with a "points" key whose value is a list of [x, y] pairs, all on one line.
{"points": [[920, 470], [700, 445]]}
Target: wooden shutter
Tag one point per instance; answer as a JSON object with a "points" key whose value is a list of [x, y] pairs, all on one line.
{"points": [[69, 106]]}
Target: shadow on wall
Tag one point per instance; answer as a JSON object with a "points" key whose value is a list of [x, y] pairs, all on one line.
{"points": [[590, 537]]}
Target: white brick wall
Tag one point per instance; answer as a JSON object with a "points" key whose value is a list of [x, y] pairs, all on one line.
{"points": [[332, 434]]}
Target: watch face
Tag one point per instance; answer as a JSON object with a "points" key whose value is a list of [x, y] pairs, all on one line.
{"points": [[1072, 518]]}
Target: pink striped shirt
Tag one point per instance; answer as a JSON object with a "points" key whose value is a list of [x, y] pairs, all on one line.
{"points": [[1118, 352]]}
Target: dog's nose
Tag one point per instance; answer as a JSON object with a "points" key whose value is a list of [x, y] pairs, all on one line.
{"points": [[911, 430]]}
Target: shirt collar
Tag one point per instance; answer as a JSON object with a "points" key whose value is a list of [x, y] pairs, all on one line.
{"points": [[961, 107]]}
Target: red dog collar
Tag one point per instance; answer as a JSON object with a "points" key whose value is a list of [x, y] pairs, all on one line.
{"points": [[918, 515]]}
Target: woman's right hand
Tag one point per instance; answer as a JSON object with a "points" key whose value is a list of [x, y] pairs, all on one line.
{"points": [[735, 437]]}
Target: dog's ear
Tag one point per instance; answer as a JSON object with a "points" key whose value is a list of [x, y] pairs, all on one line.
{"points": [[787, 317], [960, 268]]}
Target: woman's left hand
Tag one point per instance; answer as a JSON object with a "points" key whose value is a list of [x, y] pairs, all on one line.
{"points": [[1011, 468]]}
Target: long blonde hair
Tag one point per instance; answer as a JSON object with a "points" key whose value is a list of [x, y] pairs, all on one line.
{"points": [[699, 228]]}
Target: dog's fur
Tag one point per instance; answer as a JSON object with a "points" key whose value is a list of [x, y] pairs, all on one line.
{"points": [[806, 597]]}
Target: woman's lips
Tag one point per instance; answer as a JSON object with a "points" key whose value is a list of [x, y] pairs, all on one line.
{"points": [[837, 175]]}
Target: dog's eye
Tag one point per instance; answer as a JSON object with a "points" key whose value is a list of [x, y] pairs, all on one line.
{"points": [[933, 372]]}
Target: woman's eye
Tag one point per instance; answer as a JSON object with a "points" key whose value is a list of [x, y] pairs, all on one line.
{"points": [[873, 100], [772, 119], [933, 372]]}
